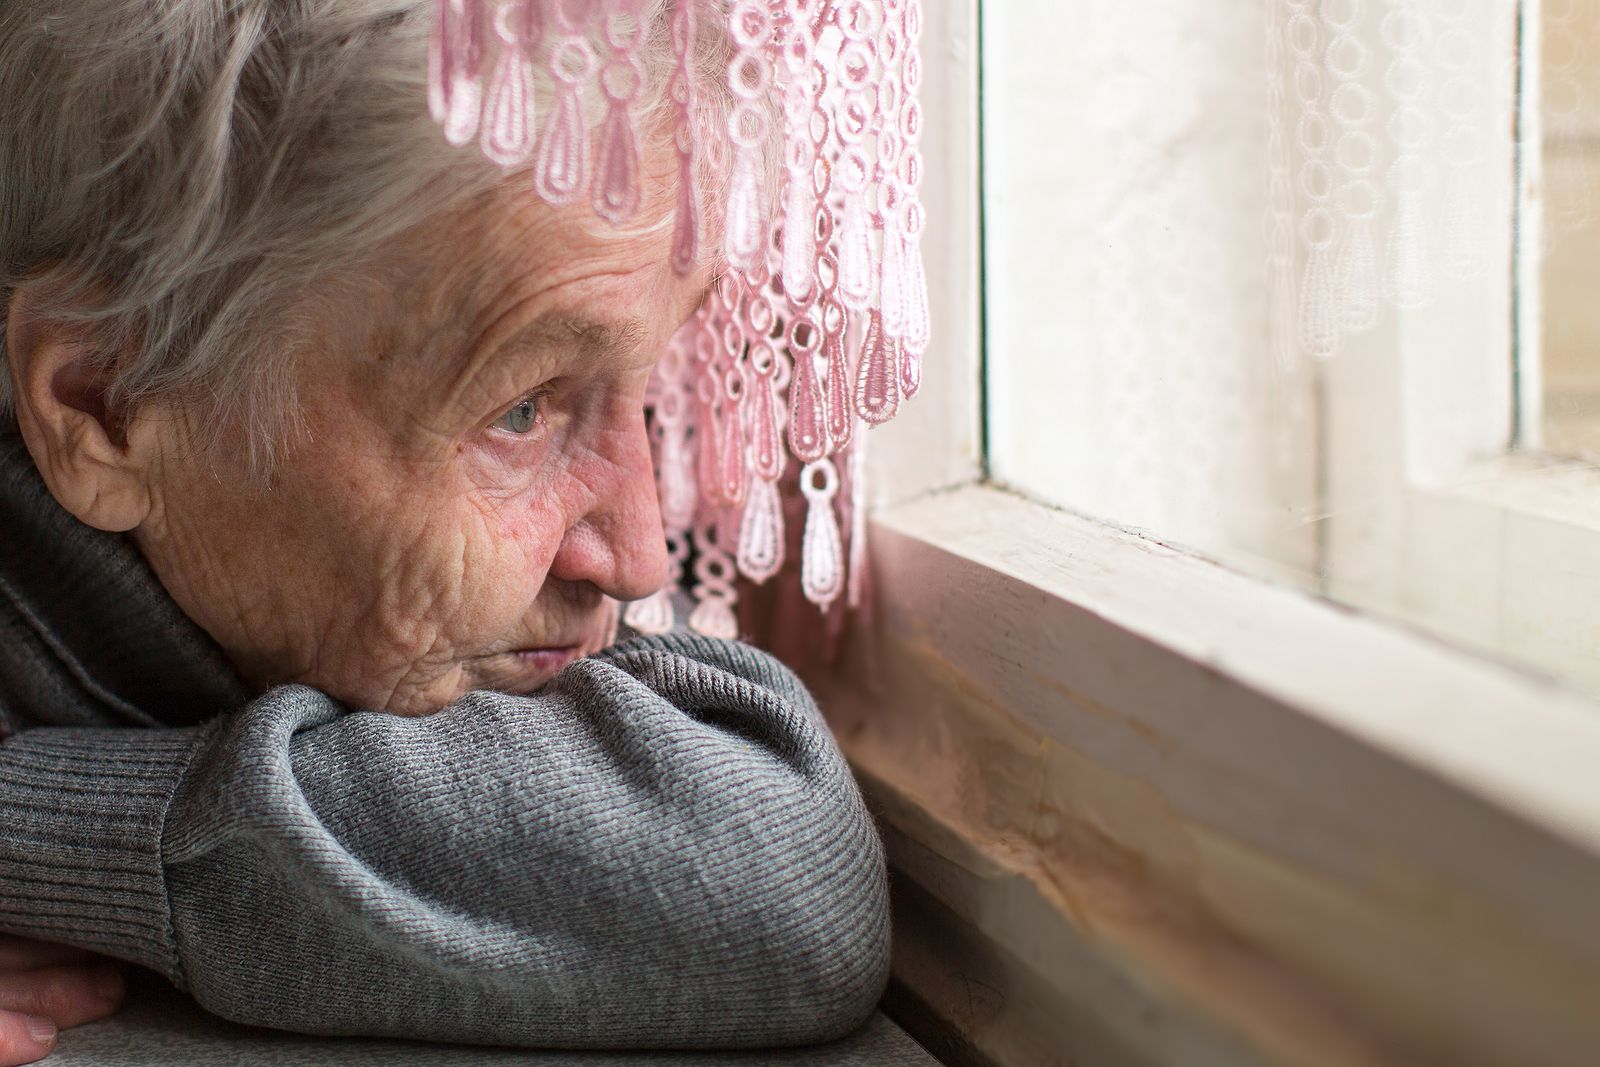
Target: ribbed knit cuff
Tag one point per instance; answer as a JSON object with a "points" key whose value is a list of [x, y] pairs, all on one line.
{"points": [[81, 817]]}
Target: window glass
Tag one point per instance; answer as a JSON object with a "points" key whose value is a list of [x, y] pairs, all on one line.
{"points": [[1304, 286], [1129, 351]]}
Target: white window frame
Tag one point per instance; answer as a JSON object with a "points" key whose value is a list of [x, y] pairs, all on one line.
{"points": [[1142, 808]]}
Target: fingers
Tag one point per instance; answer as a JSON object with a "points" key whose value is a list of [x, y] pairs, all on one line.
{"points": [[24, 1038], [21, 954], [68, 996], [45, 987]]}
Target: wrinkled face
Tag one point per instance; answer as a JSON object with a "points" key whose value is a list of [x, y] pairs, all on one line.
{"points": [[476, 489]]}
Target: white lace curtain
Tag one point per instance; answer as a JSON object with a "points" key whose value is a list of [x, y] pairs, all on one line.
{"points": [[1382, 114], [1219, 201]]}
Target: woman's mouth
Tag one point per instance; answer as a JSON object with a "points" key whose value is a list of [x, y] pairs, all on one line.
{"points": [[548, 661]]}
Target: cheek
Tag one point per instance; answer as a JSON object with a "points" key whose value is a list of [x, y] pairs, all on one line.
{"points": [[533, 508], [425, 564], [518, 535], [449, 577]]}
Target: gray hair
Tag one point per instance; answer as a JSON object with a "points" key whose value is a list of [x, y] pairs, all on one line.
{"points": [[174, 173]]}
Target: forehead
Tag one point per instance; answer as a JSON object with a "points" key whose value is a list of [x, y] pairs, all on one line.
{"points": [[512, 248], [508, 268]]}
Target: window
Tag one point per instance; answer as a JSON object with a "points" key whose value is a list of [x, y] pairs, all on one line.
{"points": [[1301, 269], [1149, 794]]}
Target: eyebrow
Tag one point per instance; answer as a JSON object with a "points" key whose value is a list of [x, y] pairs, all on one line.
{"points": [[566, 329], [588, 334]]}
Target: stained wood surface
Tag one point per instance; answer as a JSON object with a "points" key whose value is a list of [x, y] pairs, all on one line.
{"points": [[1159, 812]]}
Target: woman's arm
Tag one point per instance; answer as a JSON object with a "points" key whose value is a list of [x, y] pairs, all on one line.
{"points": [[663, 848]]}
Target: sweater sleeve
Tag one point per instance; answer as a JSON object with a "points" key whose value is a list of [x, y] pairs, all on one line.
{"points": [[662, 848]]}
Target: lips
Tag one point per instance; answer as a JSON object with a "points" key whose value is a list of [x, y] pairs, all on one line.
{"points": [[548, 660], [522, 670]]}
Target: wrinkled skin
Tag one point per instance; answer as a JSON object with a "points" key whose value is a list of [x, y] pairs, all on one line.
{"points": [[416, 546]]}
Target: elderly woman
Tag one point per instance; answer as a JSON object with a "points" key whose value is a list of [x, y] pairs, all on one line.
{"points": [[328, 467]]}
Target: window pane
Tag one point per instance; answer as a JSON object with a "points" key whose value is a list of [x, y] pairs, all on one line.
{"points": [[1263, 279], [1132, 377]]}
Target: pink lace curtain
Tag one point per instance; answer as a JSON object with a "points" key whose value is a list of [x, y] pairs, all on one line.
{"points": [[820, 321]]}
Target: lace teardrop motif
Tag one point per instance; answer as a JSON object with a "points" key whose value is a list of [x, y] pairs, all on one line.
{"points": [[653, 614], [877, 394], [563, 149], [822, 562], [808, 436], [455, 61], [841, 419], [509, 119], [766, 442], [761, 532]]}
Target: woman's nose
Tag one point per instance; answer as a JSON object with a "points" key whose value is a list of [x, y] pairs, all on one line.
{"points": [[619, 545]]}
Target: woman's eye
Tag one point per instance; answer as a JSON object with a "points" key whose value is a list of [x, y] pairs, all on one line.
{"points": [[523, 417]]}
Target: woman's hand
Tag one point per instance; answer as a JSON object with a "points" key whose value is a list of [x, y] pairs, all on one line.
{"points": [[46, 987]]}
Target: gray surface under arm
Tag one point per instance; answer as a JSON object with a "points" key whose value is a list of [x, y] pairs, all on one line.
{"points": [[160, 1027], [663, 848]]}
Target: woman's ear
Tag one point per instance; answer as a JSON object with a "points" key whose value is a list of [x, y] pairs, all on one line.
{"points": [[59, 389]]}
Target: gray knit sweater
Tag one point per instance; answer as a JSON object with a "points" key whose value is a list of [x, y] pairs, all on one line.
{"points": [[662, 848]]}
